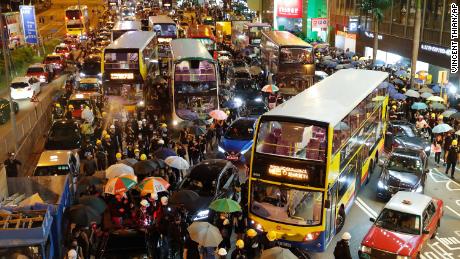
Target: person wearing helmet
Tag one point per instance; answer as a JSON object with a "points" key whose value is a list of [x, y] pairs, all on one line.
{"points": [[239, 252], [101, 156], [68, 114], [143, 157], [57, 111], [118, 156], [269, 240], [251, 242], [222, 253], [225, 227], [342, 249], [451, 158]]}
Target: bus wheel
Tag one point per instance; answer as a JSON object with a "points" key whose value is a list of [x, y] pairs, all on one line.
{"points": [[340, 221]]}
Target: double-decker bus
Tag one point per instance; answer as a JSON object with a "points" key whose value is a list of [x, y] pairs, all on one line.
{"points": [[128, 62], [204, 34], [77, 20], [253, 32], [166, 30], [289, 59], [313, 153], [195, 84], [121, 27]]}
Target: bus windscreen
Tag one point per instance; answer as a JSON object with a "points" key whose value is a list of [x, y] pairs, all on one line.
{"points": [[73, 14], [165, 30], [296, 56]]}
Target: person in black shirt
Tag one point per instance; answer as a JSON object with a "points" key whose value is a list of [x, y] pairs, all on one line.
{"points": [[452, 157], [11, 165], [342, 249]]}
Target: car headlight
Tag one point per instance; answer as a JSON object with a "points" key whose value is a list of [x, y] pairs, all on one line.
{"points": [[427, 148], [202, 214], [258, 99], [175, 123], [366, 249], [381, 185], [238, 101], [82, 74], [419, 189], [100, 74], [141, 103], [220, 149], [402, 257]]}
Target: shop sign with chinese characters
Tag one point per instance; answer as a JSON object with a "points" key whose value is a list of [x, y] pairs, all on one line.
{"points": [[319, 23], [289, 8]]}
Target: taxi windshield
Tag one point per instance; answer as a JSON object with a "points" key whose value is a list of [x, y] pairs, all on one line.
{"points": [[398, 221]]}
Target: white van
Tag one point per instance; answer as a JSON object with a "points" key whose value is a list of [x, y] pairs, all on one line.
{"points": [[57, 162]]}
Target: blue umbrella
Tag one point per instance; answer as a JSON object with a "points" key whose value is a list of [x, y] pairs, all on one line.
{"points": [[392, 90], [354, 63], [398, 96], [398, 81], [401, 73], [403, 62], [349, 54], [442, 128], [332, 64], [379, 63], [386, 85], [164, 152], [436, 89], [418, 81], [419, 106]]}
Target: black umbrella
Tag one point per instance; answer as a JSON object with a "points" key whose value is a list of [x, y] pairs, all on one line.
{"points": [[455, 116], [145, 167], [129, 161], [164, 152], [184, 197], [161, 164], [90, 180], [81, 188], [197, 130], [93, 202], [83, 215]]}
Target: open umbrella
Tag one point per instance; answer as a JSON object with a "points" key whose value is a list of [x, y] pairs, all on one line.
{"points": [[455, 116], [94, 202], [218, 115], [401, 73], [425, 90], [398, 81], [197, 130], [349, 54], [426, 95], [331, 64], [277, 253], [398, 96], [225, 205], [270, 88], [442, 128], [435, 98], [457, 132], [205, 234], [160, 162], [117, 170], [418, 81], [83, 215], [327, 57], [436, 89], [438, 106], [177, 162], [119, 185], [145, 167], [129, 161], [449, 113], [419, 106], [184, 197], [164, 152], [412, 93], [153, 185]]}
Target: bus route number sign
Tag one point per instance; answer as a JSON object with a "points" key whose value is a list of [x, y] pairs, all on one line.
{"points": [[122, 76], [288, 172]]}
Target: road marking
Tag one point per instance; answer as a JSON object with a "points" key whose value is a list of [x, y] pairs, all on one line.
{"points": [[446, 180], [436, 247], [454, 211], [370, 212]]}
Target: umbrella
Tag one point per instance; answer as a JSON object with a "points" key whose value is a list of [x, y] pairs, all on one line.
{"points": [[87, 115], [197, 130], [398, 96], [419, 106], [119, 185], [341, 66], [457, 132], [145, 167], [277, 253], [93, 202], [160, 162], [331, 64], [349, 54], [442, 128], [83, 215], [436, 89], [129, 161], [153, 185], [401, 73], [255, 70], [398, 81], [426, 95], [117, 170], [455, 116], [90, 180], [205, 234], [225, 205], [184, 197], [185, 124], [449, 113], [164, 152], [418, 81], [412, 93], [354, 63], [425, 90], [218, 115], [438, 106], [379, 63], [177, 162], [270, 88], [327, 57], [435, 98], [403, 62]]}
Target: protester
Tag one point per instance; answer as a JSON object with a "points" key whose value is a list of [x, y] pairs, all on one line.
{"points": [[451, 158], [342, 248], [11, 165]]}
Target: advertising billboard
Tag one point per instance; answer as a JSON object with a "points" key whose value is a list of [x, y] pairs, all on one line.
{"points": [[29, 24], [289, 8]]}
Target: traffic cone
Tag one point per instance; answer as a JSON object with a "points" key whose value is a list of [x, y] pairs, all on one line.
{"points": [[34, 98]]}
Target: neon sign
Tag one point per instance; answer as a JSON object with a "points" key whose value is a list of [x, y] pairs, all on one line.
{"points": [[289, 172], [121, 76]]}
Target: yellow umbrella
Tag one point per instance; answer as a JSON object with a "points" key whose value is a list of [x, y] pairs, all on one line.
{"points": [[435, 98]]}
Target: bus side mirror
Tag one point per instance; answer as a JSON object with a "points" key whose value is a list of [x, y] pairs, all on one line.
{"points": [[372, 219], [327, 204]]}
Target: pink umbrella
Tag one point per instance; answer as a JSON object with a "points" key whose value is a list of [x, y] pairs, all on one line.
{"points": [[218, 115]]}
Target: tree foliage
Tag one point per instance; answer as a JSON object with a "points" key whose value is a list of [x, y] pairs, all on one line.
{"points": [[375, 7]]}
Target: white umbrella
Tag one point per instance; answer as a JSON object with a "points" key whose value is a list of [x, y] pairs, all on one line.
{"points": [[442, 128], [118, 170], [87, 115], [435, 98], [277, 253], [412, 93], [177, 162], [205, 234]]}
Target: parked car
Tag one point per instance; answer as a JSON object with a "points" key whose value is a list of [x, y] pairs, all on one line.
{"points": [[238, 139], [404, 134], [24, 87], [41, 71], [404, 170], [211, 179], [5, 110], [402, 228], [56, 60], [63, 135]]}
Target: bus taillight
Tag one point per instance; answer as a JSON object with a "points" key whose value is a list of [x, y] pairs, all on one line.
{"points": [[66, 18], [81, 17], [311, 236]]}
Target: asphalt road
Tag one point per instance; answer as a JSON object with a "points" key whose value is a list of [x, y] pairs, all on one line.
{"points": [[446, 245]]}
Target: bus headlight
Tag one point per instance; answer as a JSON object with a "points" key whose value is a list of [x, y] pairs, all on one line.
{"points": [[311, 236], [238, 102], [174, 122], [220, 149], [258, 99], [366, 249]]}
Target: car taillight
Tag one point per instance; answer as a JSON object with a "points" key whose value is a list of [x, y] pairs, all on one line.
{"points": [[311, 236]]}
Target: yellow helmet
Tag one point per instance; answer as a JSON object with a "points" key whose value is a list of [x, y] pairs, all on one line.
{"points": [[433, 115], [227, 112], [104, 114], [441, 117], [404, 89], [393, 107], [70, 106], [271, 235], [136, 150], [454, 142], [240, 244], [58, 105], [143, 157], [118, 155], [98, 142], [104, 132], [107, 136], [163, 125], [251, 233]]}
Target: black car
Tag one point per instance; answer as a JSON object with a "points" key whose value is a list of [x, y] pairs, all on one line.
{"points": [[5, 110], [211, 179], [404, 170], [404, 134], [63, 135]]}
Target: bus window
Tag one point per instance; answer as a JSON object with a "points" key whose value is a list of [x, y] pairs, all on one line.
{"points": [[292, 139], [296, 56], [122, 60]]}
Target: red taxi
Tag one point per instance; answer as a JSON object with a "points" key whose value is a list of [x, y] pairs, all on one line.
{"points": [[56, 60], [63, 49], [406, 222], [40, 71]]}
